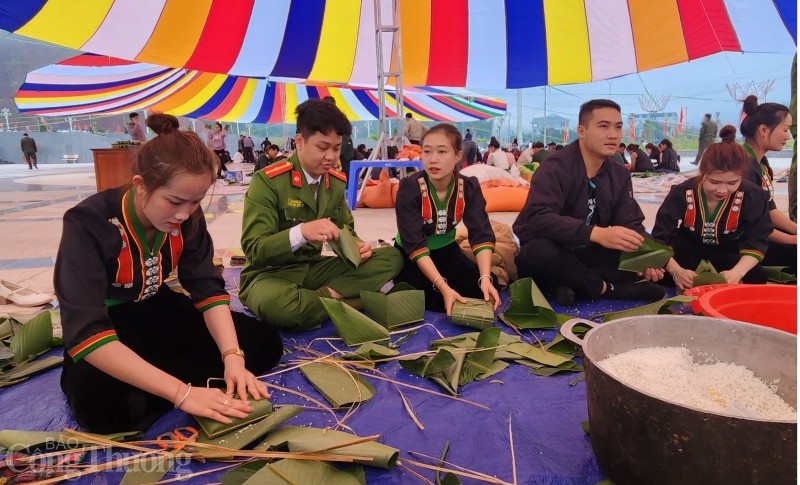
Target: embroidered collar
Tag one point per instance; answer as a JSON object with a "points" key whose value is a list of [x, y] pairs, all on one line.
{"points": [[150, 259]]}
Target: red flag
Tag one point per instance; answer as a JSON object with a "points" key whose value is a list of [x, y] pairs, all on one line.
{"points": [[633, 130], [666, 127], [566, 135], [681, 120]]}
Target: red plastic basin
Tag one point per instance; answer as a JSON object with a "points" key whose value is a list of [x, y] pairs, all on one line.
{"points": [[698, 291], [768, 305]]}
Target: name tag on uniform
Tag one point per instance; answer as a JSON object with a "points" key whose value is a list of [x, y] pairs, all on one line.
{"points": [[295, 203]]}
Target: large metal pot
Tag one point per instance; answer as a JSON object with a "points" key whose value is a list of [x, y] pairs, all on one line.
{"points": [[638, 438]]}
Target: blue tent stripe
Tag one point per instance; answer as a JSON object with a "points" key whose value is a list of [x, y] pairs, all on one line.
{"points": [[367, 102], [267, 105], [15, 13], [526, 40], [88, 87], [215, 100], [300, 39], [788, 12]]}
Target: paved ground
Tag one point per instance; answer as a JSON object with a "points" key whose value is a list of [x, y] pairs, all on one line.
{"points": [[32, 204]]}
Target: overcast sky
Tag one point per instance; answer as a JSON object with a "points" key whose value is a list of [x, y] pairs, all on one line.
{"points": [[699, 86]]}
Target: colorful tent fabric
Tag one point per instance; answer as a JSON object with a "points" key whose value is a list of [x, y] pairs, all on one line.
{"points": [[99, 84], [478, 44]]}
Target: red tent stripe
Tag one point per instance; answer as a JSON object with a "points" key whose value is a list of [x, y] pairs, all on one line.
{"points": [[447, 65], [417, 108], [92, 60], [230, 101], [279, 106], [457, 106], [389, 112], [707, 28], [222, 37]]}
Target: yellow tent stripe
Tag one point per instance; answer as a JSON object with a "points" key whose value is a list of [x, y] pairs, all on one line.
{"points": [[337, 42], [567, 42], [243, 102], [291, 103], [202, 97], [342, 104], [175, 36], [415, 35], [67, 22]]}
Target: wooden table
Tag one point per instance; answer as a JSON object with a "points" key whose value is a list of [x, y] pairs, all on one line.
{"points": [[113, 166]]}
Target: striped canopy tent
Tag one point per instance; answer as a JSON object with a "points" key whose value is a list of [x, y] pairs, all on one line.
{"points": [[92, 84], [478, 44]]}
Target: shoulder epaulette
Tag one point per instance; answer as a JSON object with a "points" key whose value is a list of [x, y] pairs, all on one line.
{"points": [[277, 169], [338, 174]]}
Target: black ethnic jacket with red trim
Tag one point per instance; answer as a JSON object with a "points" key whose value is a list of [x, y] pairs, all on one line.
{"points": [[104, 259], [419, 222], [741, 224]]}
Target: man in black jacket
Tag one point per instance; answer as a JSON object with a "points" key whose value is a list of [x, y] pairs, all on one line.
{"points": [[581, 215]]}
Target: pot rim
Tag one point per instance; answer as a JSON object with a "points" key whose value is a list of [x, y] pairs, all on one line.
{"points": [[595, 327]]}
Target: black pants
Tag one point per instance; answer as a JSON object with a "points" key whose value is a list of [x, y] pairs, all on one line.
{"points": [[461, 273], [782, 255], [223, 159], [169, 333], [689, 253], [583, 269]]}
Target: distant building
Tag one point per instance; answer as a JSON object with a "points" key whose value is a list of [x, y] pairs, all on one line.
{"points": [[555, 126]]}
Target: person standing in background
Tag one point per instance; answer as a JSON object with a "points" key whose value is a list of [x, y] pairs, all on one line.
{"points": [[414, 129], [470, 150], [28, 146], [247, 150], [708, 133], [135, 130], [216, 142]]}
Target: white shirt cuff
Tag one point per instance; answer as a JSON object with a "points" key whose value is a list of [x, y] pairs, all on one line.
{"points": [[296, 239]]}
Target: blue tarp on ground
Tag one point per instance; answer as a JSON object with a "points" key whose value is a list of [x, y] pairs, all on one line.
{"points": [[545, 412]]}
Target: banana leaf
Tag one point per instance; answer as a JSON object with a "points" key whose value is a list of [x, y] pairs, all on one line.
{"points": [[777, 275], [305, 472], [529, 308], [474, 313], [214, 428], [651, 254], [149, 470], [353, 326], [535, 353], [659, 307], [5, 352], [242, 473], [400, 306], [426, 366], [561, 345], [565, 367], [497, 366], [238, 439], [477, 363], [449, 478], [29, 441], [338, 386], [298, 439], [371, 351], [33, 337], [347, 248], [24, 371], [6, 329], [707, 275]]}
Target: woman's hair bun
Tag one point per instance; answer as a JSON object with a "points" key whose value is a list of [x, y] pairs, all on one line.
{"points": [[162, 123], [728, 133], [750, 104]]}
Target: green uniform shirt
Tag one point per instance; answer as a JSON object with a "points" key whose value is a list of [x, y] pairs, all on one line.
{"points": [[277, 199]]}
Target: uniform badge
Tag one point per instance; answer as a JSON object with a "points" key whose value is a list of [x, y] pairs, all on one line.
{"points": [[296, 180], [294, 203]]}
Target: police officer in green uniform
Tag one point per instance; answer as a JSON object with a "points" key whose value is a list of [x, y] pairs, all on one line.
{"points": [[291, 208]]}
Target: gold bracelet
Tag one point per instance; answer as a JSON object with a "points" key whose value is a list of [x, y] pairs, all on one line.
{"points": [[183, 399], [234, 351]]}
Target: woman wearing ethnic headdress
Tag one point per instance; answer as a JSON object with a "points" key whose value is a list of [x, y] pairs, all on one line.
{"points": [[717, 216], [766, 127], [135, 348]]}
